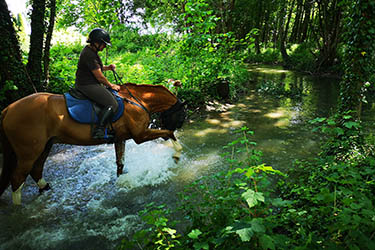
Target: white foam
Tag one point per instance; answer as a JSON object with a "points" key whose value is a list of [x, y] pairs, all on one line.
{"points": [[151, 165]]}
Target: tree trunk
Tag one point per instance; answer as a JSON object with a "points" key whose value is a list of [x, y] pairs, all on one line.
{"points": [[284, 34], [297, 22], [34, 65], [258, 21], [13, 75], [329, 25], [306, 20], [47, 46]]}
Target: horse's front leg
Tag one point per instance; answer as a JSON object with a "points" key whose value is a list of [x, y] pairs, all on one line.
{"points": [[120, 157], [152, 134], [178, 148]]}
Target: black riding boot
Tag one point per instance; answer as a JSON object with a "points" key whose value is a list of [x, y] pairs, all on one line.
{"points": [[100, 131]]}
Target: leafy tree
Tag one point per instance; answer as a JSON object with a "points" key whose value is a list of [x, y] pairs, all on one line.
{"points": [[88, 14], [18, 80], [359, 58], [13, 75]]}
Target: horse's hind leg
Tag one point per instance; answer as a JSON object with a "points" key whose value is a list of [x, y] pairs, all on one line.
{"points": [[37, 170], [18, 179]]}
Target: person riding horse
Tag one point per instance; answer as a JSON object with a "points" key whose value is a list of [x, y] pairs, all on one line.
{"points": [[90, 80]]}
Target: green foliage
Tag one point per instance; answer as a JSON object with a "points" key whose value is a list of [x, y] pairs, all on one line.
{"points": [[301, 57], [333, 205], [333, 202], [87, 15], [267, 56], [326, 203], [158, 235], [232, 209], [359, 53], [208, 56], [125, 39], [344, 135], [21, 32], [64, 59]]}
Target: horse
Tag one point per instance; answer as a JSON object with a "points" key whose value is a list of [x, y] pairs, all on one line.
{"points": [[31, 125]]}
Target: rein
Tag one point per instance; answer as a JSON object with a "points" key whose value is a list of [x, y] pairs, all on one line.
{"points": [[168, 116], [138, 103]]}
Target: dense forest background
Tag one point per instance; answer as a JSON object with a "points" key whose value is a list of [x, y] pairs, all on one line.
{"points": [[208, 45], [206, 40]]}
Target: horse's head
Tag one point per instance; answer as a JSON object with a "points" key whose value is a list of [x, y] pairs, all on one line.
{"points": [[174, 117]]}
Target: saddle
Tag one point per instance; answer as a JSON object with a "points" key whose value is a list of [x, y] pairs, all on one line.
{"points": [[83, 110]]}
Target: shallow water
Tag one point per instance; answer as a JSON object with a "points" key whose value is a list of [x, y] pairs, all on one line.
{"points": [[89, 208]]}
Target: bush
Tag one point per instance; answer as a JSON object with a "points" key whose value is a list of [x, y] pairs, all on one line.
{"points": [[267, 56], [64, 60], [301, 58], [335, 192], [126, 39]]}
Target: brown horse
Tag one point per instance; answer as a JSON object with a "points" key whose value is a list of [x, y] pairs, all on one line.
{"points": [[31, 125]]}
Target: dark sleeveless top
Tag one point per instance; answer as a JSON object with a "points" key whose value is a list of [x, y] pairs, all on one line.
{"points": [[88, 61]]}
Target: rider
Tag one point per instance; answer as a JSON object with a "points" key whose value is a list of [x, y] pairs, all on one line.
{"points": [[90, 80]]}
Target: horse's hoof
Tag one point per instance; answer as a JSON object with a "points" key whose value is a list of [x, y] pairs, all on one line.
{"points": [[176, 159], [46, 188]]}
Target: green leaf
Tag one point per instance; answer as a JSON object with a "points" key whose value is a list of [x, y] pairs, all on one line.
{"points": [[252, 197], [339, 131], [351, 124], [257, 225], [245, 233], [170, 231], [194, 234], [278, 202], [331, 122], [266, 242], [201, 245], [249, 173], [317, 120]]}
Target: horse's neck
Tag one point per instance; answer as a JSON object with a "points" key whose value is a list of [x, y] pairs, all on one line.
{"points": [[156, 98]]}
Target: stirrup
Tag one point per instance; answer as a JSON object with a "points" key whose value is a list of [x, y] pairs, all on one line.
{"points": [[103, 133]]}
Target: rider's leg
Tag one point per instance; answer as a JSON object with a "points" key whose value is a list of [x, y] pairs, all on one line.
{"points": [[105, 117], [105, 98]]}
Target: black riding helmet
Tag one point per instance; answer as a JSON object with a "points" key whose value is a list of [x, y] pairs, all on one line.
{"points": [[99, 35]]}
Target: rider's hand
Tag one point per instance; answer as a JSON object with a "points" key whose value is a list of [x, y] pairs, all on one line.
{"points": [[112, 67], [115, 87]]}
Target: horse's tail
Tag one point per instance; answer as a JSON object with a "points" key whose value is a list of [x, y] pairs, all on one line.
{"points": [[9, 156]]}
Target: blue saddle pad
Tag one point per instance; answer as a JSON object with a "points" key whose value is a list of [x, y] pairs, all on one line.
{"points": [[82, 110]]}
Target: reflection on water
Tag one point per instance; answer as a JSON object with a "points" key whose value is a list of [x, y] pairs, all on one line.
{"points": [[89, 208]]}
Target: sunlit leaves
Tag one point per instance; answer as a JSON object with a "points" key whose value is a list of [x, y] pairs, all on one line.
{"points": [[252, 198], [194, 234], [87, 15]]}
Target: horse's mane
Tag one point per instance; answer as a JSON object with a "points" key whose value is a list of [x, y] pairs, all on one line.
{"points": [[158, 86]]}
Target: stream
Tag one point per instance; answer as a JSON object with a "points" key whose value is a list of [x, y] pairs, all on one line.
{"points": [[90, 208]]}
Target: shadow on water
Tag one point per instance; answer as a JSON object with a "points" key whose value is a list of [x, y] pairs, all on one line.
{"points": [[89, 208]]}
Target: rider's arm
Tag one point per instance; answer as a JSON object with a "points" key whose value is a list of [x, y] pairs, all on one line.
{"points": [[103, 80], [109, 67]]}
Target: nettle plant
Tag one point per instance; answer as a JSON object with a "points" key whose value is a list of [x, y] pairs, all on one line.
{"points": [[233, 209]]}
